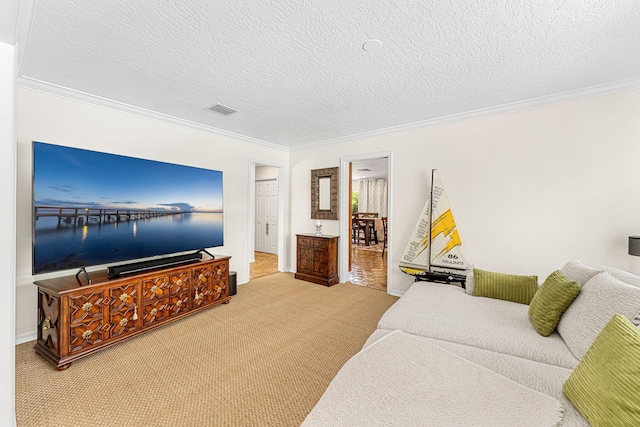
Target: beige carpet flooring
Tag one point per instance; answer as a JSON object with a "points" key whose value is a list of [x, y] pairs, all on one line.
{"points": [[264, 359]]}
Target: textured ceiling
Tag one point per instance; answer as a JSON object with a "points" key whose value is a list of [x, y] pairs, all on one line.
{"points": [[298, 74], [370, 169]]}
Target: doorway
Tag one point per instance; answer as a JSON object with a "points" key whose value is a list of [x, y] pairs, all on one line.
{"points": [[267, 216], [266, 221], [368, 206]]}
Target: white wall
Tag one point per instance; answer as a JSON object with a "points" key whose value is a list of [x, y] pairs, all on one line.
{"points": [[58, 120], [267, 172], [7, 233], [530, 190]]}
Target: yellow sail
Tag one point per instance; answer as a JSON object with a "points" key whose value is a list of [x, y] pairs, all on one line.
{"points": [[442, 249]]}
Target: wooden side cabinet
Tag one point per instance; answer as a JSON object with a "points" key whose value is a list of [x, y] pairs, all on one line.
{"points": [[317, 259], [77, 319]]}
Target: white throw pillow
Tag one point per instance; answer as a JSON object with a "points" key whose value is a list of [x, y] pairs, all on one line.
{"points": [[576, 270], [623, 276], [599, 299]]}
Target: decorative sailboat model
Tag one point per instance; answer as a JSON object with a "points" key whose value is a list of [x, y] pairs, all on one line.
{"points": [[435, 252]]}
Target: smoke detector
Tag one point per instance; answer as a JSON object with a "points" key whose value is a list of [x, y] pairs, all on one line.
{"points": [[372, 45], [221, 109]]}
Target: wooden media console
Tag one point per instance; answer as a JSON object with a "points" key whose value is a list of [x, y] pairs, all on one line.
{"points": [[76, 319]]}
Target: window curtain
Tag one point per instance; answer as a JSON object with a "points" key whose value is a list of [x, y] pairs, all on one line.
{"points": [[372, 196]]}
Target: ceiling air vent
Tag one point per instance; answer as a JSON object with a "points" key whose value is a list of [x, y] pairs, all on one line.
{"points": [[221, 109]]}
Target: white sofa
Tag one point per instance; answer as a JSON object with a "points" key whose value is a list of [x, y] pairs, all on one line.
{"points": [[393, 380]]}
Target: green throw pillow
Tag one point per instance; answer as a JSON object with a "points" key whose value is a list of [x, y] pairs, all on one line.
{"points": [[508, 287], [552, 299], [605, 386]]}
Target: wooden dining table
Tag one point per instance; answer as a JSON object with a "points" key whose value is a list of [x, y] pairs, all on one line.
{"points": [[369, 221]]}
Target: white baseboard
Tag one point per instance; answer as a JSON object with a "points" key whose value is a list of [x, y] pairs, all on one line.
{"points": [[29, 336]]}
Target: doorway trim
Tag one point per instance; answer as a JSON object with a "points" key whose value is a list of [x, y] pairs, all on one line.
{"points": [[345, 211], [283, 191]]}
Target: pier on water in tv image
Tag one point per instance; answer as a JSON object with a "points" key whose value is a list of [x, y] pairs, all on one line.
{"points": [[75, 237], [83, 215]]}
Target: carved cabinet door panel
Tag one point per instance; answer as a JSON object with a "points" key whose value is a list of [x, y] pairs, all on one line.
{"points": [[219, 286], [304, 257], [209, 284], [156, 293], [201, 286], [123, 309], [87, 325], [320, 262], [179, 292]]}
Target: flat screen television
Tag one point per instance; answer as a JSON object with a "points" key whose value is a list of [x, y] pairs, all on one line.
{"points": [[92, 208]]}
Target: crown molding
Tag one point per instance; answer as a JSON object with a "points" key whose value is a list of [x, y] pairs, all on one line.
{"points": [[65, 92], [593, 91], [543, 101]]}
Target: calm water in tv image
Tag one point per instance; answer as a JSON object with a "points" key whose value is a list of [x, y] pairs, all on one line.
{"points": [[93, 208]]}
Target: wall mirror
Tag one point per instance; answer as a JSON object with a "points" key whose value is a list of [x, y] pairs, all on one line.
{"points": [[324, 193]]}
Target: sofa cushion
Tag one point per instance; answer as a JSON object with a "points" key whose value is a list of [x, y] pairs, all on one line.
{"points": [[605, 387], [542, 377], [599, 299], [623, 276], [431, 386], [508, 287], [578, 271], [447, 313], [552, 299]]}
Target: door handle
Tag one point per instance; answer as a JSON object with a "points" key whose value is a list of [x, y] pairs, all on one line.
{"points": [[267, 229]]}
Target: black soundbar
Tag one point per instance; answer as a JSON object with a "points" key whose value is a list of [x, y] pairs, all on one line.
{"points": [[136, 267]]}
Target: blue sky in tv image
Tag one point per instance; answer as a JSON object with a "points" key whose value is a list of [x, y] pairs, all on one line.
{"points": [[65, 176], [94, 208]]}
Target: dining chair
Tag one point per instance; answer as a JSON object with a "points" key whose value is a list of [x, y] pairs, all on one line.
{"points": [[357, 229]]}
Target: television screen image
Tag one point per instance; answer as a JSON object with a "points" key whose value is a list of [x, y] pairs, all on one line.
{"points": [[92, 208]]}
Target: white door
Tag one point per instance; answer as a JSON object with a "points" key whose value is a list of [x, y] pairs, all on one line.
{"points": [[267, 216]]}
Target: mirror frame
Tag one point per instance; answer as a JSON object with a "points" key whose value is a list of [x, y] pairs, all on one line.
{"points": [[316, 175]]}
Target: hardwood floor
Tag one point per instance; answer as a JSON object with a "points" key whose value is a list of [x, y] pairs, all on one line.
{"points": [[264, 265], [368, 268]]}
